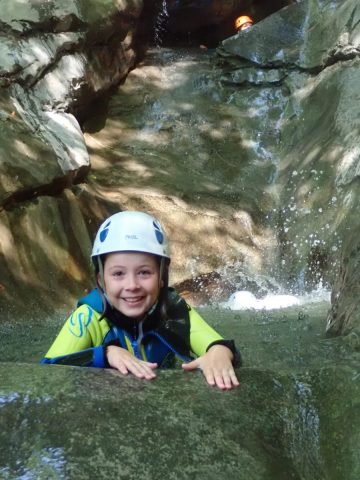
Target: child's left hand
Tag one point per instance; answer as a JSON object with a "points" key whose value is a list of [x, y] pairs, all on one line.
{"points": [[216, 365]]}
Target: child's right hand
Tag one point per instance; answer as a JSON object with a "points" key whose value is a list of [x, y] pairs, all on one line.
{"points": [[125, 362]]}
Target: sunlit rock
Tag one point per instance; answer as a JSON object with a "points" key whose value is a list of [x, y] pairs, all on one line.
{"points": [[249, 155], [61, 65]]}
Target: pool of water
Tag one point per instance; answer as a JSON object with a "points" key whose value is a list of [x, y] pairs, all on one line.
{"points": [[295, 415]]}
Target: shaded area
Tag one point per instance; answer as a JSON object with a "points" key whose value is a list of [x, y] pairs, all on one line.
{"points": [[180, 23]]}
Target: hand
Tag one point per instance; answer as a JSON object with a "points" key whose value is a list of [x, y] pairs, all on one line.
{"points": [[217, 367], [125, 362]]}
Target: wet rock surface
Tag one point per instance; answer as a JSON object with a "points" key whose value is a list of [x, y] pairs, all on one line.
{"points": [[238, 151], [249, 155], [176, 437], [55, 58], [294, 415], [189, 152]]}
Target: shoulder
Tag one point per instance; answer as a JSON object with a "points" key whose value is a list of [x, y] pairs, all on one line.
{"points": [[176, 300], [84, 312], [93, 299], [176, 307], [82, 319]]}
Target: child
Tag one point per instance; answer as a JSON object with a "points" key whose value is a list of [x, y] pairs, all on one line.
{"points": [[133, 321]]}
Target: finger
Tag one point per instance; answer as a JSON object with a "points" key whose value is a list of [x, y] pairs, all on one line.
{"points": [[121, 367], [141, 370], [227, 380], [234, 378], [153, 366], [191, 365], [146, 369], [209, 376], [219, 381]]}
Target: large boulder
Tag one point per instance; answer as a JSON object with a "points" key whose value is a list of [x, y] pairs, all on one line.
{"points": [[274, 426], [54, 60], [312, 49]]}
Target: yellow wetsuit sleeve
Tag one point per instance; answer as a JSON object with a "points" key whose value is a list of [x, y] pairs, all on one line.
{"points": [[81, 330], [201, 334]]}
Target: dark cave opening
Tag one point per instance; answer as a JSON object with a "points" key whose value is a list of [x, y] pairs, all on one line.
{"points": [[185, 23]]}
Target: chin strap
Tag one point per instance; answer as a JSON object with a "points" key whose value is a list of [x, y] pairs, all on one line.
{"points": [[101, 274], [101, 284], [161, 271]]}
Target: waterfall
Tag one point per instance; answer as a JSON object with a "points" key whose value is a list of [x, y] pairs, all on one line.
{"points": [[160, 23]]}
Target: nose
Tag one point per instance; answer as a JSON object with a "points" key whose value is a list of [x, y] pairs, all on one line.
{"points": [[131, 282]]}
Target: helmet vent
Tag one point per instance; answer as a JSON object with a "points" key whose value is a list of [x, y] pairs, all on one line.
{"points": [[158, 233], [104, 234]]}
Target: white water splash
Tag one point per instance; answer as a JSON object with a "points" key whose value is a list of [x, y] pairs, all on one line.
{"points": [[244, 300]]}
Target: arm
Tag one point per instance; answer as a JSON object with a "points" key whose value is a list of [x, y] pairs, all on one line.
{"points": [[79, 341], [216, 355]]}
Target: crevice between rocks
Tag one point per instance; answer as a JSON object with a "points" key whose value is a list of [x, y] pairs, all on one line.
{"points": [[52, 189]]}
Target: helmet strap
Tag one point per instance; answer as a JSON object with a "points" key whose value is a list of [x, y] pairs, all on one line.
{"points": [[101, 283], [161, 271], [101, 274]]}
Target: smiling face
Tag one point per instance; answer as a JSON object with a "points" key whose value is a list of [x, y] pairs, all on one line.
{"points": [[131, 282]]}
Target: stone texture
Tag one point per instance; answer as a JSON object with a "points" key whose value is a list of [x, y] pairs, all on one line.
{"points": [[51, 254], [274, 427], [249, 155], [27, 165], [317, 175], [55, 58], [294, 415], [299, 36]]}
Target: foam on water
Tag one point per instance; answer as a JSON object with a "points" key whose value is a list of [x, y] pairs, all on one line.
{"points": [[244, 300]]}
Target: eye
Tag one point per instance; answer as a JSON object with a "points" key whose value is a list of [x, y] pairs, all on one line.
{"points": [[145, 272], [118, 273]]}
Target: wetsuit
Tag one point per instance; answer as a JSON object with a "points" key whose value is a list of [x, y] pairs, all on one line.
{"points": [[86, 334]]}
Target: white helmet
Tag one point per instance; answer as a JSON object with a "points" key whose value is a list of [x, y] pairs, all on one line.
{"points": [[131, 231]]}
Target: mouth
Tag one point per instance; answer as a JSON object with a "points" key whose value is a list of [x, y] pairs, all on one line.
{"points": [[133, 300]]}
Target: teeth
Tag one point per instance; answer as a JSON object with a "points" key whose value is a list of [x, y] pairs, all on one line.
{"points": [[132, 300]]}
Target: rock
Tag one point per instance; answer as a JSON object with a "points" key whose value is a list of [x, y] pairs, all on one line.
{"points": [[52, 68], [240, 153], [272, 427]]}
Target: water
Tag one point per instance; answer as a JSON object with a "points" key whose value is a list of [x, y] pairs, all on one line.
{"points": [[160, 24], [298, 329], [245, 300], [284, 422], [299, 390]]}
